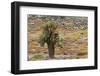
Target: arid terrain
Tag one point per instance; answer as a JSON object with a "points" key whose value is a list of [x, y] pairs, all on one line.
{"points": [[72, 29]]}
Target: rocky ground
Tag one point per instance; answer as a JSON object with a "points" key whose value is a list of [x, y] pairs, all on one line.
{"points": [[74, 47], [75, 43]]}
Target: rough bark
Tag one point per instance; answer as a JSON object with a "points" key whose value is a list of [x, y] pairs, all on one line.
{"points": [[51, 50]]}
